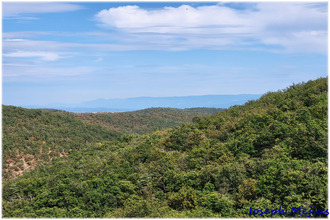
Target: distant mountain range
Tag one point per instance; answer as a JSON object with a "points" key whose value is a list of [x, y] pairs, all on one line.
{"points": [[133, 104]]}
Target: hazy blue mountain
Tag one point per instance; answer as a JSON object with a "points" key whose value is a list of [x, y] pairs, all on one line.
{"points": [[132, 104]]}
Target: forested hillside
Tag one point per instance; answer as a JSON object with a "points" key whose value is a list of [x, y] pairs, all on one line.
{"points": [[146, 120], [32, 136], [268, 153]]}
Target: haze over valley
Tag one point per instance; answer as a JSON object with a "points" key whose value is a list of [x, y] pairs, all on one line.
{"points": [[133, 104]]}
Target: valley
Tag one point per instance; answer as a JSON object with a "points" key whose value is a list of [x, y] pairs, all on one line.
{"points": [[170, 163]]}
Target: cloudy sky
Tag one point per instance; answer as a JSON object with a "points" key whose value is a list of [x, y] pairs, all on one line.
{"points": [[72, 52]]}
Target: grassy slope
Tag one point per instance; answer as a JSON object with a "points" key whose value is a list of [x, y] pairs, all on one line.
{"points": [[268, 153]]}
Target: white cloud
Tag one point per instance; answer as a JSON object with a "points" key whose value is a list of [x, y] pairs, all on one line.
{"points": [[288, 27], [32, 72], [184, 19], [14, 9], [275, 27], [47, 56], [12, 45], [19, 35]]}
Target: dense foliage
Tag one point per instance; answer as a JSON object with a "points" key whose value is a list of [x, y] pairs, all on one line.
{"points": [[268, 153], [146, 120], [32, 136]]}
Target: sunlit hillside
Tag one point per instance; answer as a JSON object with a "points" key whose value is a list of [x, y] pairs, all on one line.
{"points": [[267, 153]]}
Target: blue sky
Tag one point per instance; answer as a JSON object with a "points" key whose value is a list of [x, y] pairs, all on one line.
{"points": [[72, 52]]}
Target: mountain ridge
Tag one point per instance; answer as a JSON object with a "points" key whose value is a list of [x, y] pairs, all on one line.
{"points": [[139, 103]]}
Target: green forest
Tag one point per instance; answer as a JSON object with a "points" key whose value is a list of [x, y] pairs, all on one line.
{"points": [[267, 154], [33, 136], [147, 120]]}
